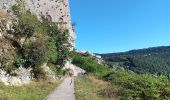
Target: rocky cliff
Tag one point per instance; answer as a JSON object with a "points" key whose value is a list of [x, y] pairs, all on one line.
{"points": [[57, 11], [34, 35]]}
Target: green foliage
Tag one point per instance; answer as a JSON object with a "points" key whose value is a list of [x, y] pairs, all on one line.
{"points": [[39, 72], [52, 53], [58, 43], [130, 86], [36, 52], [28, 31], [56, 70], [52, 29], [16, 10], [9, 68], [39, 27], [88, 63], [23, 29], [44, 42], [151, 60], [136, 86], [19, 61], [63, 45], [32, 55]]}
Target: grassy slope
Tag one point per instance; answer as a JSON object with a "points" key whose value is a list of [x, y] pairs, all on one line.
{"points": [[122, 84], [33, 91], [88, 88]]}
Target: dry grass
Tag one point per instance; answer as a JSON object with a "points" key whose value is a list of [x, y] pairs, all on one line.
{"points": [[34, 91], [107, 90], [91, 88], [98, 81]]}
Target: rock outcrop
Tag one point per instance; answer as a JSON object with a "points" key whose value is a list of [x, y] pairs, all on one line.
{"points": [[75, 70], [49, 74], [7, 52], [23, 76], [57, 11]]}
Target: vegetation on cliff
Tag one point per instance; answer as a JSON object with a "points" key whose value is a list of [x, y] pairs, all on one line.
{"points": [[35, 42]]}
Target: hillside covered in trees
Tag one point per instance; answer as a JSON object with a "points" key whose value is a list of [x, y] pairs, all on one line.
{"points": [[155, 60], [118, 84]]}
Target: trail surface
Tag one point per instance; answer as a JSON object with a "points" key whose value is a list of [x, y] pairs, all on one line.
{"points": [[64, 92]]}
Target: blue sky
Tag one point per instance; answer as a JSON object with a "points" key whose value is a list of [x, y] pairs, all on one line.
{"points": [[105, 26]]}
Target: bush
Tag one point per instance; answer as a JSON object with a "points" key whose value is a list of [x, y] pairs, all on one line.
{"points": [[138, 86], [34, 53], [88, 63], [16, 10], [19, 61], [28, 31], [56, 70], [39, 73], [43, 42], [52, 53]]}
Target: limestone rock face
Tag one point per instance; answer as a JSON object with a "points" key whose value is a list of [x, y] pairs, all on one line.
{"points": [[54, 10], [23, 77], [7, 52], [5, 22]]}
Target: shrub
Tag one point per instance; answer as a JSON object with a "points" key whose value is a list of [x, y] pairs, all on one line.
{"points": [[56, 70], [23, 30], [34, 53], [16, 10], [52, 53], [44, 42], [39, 73], [28, 31], [88, 63], [137, 86], [19, 61], [63, 47]]}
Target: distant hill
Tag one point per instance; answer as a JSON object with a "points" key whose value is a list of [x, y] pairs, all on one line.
{"points": [[155, 60]]}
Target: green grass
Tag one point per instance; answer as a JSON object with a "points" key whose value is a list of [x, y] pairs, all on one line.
{"points": [[33, 91], [85, 89]]}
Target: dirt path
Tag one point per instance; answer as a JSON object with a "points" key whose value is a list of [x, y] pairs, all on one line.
{"points": [[64, 92]]}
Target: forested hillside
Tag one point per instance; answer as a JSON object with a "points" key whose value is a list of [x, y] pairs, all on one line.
{"points": [[155, 60], [120, 84]]}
